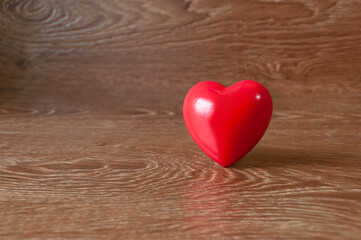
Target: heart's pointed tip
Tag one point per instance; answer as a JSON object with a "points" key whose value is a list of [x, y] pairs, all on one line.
{"points": [[225, 165]]}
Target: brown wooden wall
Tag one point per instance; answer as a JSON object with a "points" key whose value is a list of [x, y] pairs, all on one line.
{"points": [[92, 140]]}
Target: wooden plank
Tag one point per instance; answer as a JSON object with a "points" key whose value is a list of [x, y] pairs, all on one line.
{"points": [[92, 140]]}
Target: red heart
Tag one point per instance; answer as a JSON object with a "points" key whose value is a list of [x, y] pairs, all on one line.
{"points": [[227, 123]]}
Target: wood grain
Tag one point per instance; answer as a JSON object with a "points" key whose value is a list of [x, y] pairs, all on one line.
{"points": [[92, 141]]}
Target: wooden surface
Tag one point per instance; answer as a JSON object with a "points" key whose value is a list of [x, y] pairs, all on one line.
{"points": [[92, 140]]}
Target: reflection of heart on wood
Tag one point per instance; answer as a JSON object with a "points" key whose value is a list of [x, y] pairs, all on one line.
{"points": [[227, 123]]}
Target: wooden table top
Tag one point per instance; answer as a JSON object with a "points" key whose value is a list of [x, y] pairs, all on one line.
{"points": [[92, 139]]}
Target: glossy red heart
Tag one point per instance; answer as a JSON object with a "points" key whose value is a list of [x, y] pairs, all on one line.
{"points": [[227, 123]]}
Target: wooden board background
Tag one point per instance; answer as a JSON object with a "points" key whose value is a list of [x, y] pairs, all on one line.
{"points": [[92, 141]]}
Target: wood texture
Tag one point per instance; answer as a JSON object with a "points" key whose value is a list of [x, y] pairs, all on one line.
{"points": [[92, 141]]}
